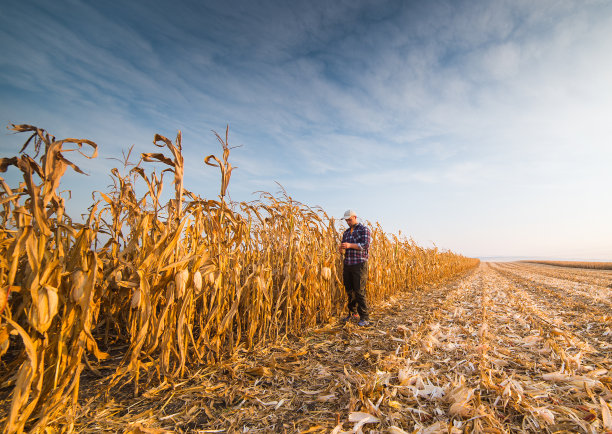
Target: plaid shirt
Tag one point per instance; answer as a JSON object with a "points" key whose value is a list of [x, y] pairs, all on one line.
{"points": [[359, 235]]}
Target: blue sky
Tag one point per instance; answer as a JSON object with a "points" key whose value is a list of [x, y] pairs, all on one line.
{"points": [[481, 126]]}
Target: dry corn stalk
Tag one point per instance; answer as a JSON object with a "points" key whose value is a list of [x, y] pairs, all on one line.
{"points": [[40, 248], [183, 283]]}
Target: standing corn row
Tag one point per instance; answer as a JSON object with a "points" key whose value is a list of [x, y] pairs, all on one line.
{"points": [[182, 283], [48, 277]]}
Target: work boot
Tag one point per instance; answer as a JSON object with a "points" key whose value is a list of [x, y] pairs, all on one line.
{"points": [[349, 317], [363, 323]]}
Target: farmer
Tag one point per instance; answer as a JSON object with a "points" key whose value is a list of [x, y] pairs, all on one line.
{"points": [[355, 244]]}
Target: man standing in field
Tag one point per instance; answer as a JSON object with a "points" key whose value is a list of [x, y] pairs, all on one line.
{"points": [[355, 244]]}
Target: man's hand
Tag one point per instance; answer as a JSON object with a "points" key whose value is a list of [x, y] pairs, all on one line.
{"points": [[349, 246]]}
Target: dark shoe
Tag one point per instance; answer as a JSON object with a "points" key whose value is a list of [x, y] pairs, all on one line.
{"points": [[350, 317], [363, 323]]}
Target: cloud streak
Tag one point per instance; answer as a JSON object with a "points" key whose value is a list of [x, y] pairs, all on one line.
{"points": [[438, 96]]}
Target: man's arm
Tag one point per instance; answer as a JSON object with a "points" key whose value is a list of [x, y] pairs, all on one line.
{"points": [[346, 245], [363, 241]]}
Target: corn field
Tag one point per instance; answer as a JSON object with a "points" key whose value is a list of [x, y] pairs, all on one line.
{"points": [[168, 287]]}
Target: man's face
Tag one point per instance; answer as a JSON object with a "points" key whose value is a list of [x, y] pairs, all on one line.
{"points": [[351, 221]]}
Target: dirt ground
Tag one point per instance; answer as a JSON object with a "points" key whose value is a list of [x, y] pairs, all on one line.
{"points": [[507, 347]]}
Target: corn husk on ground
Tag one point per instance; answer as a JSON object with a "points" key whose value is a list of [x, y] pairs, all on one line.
{"points": [[148, 295], [491, 351]]}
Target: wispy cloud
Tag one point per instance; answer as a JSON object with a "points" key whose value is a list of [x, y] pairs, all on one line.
{"points": [[328, 96]]}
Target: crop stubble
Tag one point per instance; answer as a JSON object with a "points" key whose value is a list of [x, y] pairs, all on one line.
{"points": [[489, 352]]}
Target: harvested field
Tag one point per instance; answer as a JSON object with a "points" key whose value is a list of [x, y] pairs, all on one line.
{"points": [[576, 264], [504, 348]]}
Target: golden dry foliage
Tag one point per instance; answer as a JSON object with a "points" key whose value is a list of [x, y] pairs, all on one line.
{"points": [[46, 262], [175, 285], [576, 264]]}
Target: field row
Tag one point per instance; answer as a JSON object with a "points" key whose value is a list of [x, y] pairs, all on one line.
{"points": [[576, 264]]}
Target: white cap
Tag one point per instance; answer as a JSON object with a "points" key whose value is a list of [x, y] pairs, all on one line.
{"points": [[349, 213]]}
